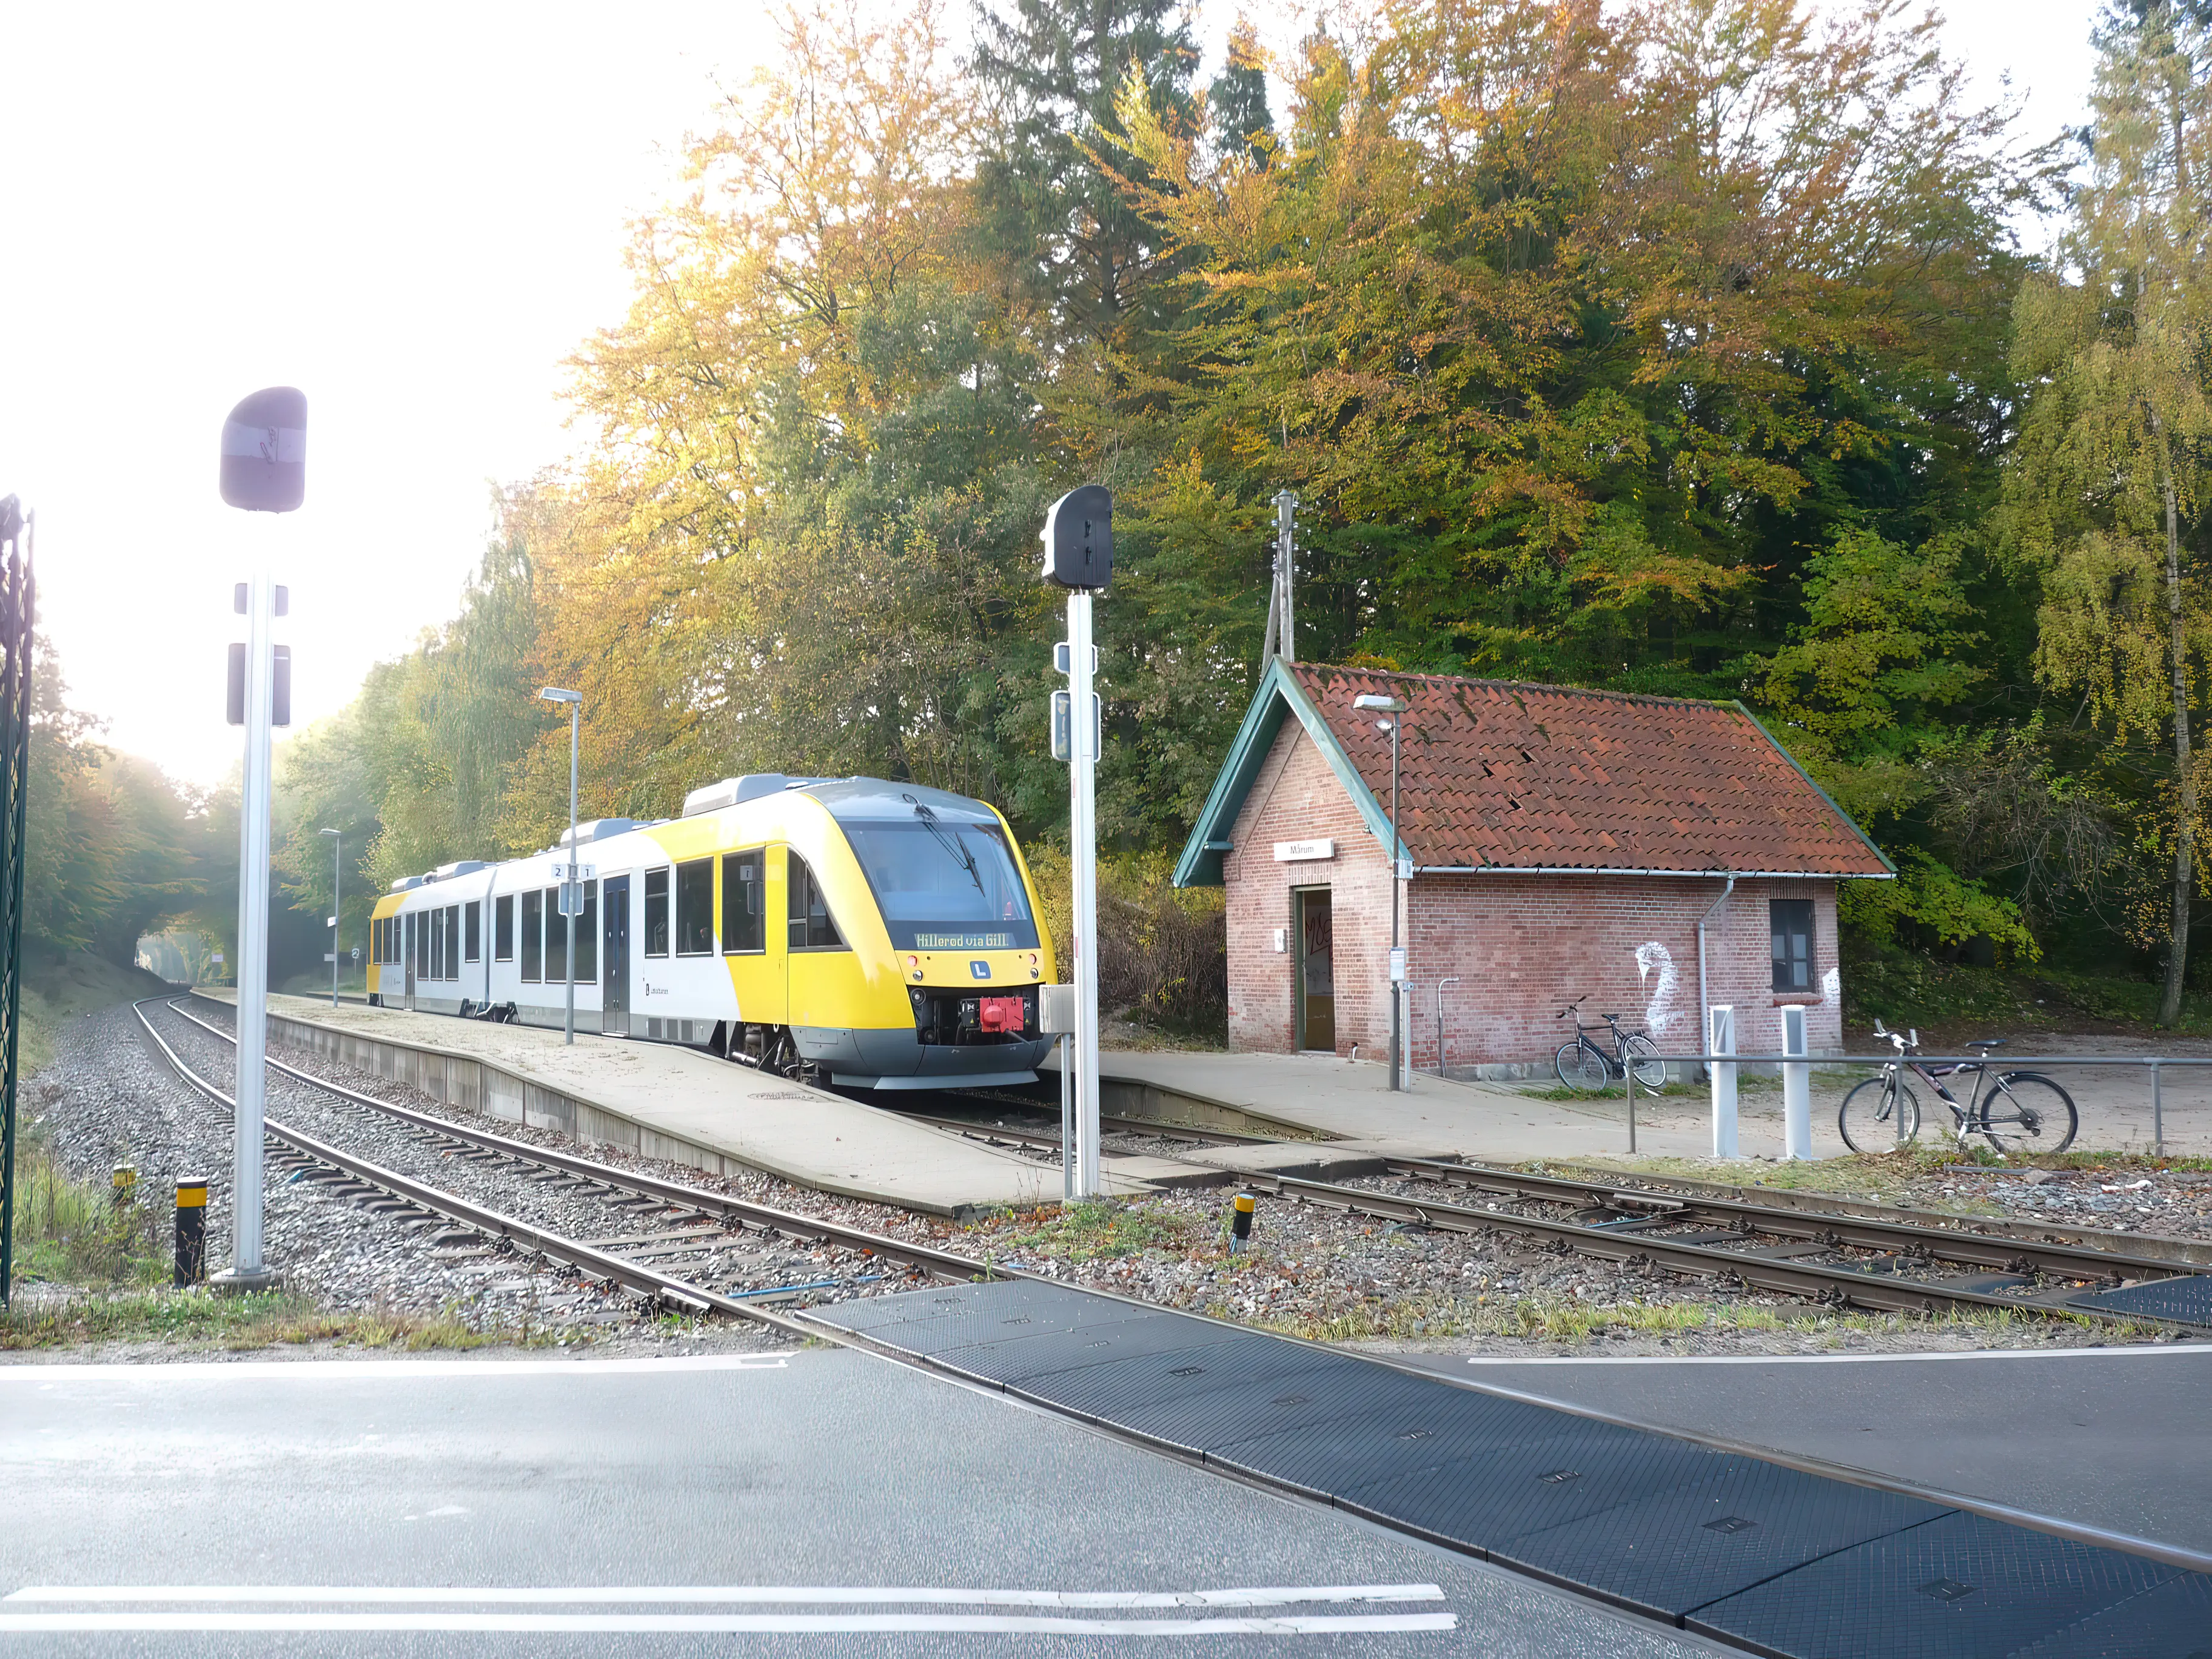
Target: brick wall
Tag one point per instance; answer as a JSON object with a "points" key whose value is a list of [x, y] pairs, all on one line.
{"points": [[1524, 946], [1297, 797], [1520, 947]]}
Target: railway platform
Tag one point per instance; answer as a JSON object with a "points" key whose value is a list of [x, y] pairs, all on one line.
{"points": [[1326, 1097], [675, 1103]]}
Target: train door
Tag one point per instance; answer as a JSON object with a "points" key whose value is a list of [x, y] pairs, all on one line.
{"points": [[1317, 974], [408, 952], [614, 956]]}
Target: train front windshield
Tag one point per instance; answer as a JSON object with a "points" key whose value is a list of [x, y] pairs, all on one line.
{"points": [[944, 886]]}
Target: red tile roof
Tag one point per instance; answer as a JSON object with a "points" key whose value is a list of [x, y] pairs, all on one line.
{"points": [[1510, 775]]}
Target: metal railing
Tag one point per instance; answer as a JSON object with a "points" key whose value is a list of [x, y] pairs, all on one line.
{"points": [[1994, 1061]]}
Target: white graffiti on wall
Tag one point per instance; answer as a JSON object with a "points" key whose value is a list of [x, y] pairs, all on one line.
{"points": [[1832, 986], [1659, 1012]]}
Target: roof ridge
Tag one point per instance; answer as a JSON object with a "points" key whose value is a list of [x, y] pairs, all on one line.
{"points": [[1518, 685]]}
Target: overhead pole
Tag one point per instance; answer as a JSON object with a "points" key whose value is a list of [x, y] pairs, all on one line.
{"points": [[1286, 570], [572, 880], [18, 596], [263, 470], [1400, 873], [337, 857], [1079, 555]]}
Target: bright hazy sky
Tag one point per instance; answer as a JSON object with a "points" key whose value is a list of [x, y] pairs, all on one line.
{"points": [[412, 212]]}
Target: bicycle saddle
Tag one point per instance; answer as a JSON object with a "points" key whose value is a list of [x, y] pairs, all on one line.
{"points": [[1988, 1042]]}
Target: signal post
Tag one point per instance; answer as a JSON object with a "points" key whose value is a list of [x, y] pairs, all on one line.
{"points": [[263, 471], [1079, 556]]}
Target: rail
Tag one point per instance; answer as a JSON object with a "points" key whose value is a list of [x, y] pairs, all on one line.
{"points": [[1763, 1246]]}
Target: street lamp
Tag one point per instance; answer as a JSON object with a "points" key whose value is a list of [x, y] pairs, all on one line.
{"points": [[571, 898], [1393, 706], [338, 852]]}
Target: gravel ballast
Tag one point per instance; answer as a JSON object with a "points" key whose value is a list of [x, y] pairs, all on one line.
{"points": [[1312, 1272]]}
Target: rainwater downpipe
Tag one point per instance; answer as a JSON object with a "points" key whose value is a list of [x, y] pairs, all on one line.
{"points": [[1704, 1004]]}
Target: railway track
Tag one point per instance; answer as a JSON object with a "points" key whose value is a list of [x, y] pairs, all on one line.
{"points": [[1848, 1260], [686, 1220]]}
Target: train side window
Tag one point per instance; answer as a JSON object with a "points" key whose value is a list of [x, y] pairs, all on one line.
{"points": [[472, 932], [744, 915], [533, 935], [812, 927], [452, 941], [418, 930], [437, 945], [556, 938], [502, 928], [695, 908], [656, 913], [587, 935]]}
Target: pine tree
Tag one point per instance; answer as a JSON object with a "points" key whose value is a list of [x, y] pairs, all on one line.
{"points": [[1076, 253]]}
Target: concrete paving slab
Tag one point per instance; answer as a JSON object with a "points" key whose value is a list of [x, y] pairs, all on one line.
{"points": [[670, 1102], [1350, 1100]]}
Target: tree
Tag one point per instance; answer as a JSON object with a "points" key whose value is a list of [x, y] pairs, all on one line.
{"points": [[2107, 490]]}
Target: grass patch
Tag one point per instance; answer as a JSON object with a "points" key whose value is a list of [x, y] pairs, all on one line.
{"points": [[71, 1231], [1101, 1229], [213, 1320], [1569, 1319]]}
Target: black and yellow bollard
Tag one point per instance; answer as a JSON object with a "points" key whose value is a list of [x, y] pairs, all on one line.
{"points": [[1240, 1222], [123, 1185], [191, 1232]]}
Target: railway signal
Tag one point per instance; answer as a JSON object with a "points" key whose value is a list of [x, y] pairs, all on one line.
{"points": [[263, 470], [1079, 555]]}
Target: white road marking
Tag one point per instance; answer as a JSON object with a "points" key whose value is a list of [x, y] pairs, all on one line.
{"points": [[1610, 1361], [1257, 1596], [977, 1624], [264, 1370]]}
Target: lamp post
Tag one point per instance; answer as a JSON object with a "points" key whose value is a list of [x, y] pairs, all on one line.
{"points": [[337, 852], [571, 899], [1393, 706]]}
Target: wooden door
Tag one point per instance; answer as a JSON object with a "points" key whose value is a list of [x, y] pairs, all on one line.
{"points": [[1317, 974]]}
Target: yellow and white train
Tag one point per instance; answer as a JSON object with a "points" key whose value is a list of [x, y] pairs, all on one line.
{"points": [[880, 935]]}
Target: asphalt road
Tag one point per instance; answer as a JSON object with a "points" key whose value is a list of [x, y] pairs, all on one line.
{"points": [[377, 1507], [2112, 1438]]}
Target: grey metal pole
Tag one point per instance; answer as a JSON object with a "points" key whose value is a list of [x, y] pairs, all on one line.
{"points": [[247, 1270], [2157, 1114], [337, 909], [571, 898], [1397, 892], [1083, 862]]}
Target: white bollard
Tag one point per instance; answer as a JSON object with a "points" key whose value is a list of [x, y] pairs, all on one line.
{"points": [[1797, 1088], [1721, 1040]]}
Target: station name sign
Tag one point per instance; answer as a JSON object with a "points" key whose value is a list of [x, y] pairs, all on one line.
{"points": [[1298, 852]]}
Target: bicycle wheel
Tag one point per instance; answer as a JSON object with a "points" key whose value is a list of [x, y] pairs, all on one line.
{"points": [[2027, 1112], [1651, 1070], [1581, 1066], [1879, 1116]]}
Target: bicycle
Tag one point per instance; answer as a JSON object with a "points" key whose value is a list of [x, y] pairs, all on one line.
{"points": [[2021, 1111], [1582, 1065]]}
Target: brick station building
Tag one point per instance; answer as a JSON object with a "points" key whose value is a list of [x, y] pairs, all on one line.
{"points": [[1565, 844]]}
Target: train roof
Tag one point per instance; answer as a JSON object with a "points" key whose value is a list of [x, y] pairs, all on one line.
{"points": [[860, 800]]}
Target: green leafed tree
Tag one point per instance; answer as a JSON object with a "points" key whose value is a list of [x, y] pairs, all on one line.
{"points": [[2107, 488]]}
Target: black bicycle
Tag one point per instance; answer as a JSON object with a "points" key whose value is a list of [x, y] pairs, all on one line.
{"points": [[2018, 1112], [1582, 1065]]}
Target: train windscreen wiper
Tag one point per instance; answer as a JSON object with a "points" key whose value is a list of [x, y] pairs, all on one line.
{"points": [[950, 844]]}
